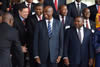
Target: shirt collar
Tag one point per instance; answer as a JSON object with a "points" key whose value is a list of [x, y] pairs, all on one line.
{"points": [[49, 20], [22, 19], [26, 3], [77, 3], [80, 28]]}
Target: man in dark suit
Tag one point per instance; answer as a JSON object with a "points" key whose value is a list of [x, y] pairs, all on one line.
{"points": [[55, 4], [4, 4], [48, 39], [30, 5], [78, 48], [87, 22], [64, 18], [75, 8], [20, 25], [31, 23], [94, 10], [8, 38]]}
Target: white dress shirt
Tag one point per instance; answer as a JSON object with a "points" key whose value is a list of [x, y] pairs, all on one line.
{"points": [[82, 33], [39, 18], [88, 22], [26, 3], [51, 23], [60, 17]]}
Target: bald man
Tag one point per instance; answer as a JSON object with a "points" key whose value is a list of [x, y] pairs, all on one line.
{"points": [[8, 38], [48, 40]]}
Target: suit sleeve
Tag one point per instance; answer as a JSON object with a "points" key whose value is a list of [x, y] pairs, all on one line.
{"points": [[61, 39], [66, 43], [91, 49], [36, 39], [17, 51]]}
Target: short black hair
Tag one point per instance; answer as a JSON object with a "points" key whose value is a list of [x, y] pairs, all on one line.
{"points": [[21, 7], [38, 4]]}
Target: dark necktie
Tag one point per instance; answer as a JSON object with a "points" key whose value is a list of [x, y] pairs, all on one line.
{"points": [[79, 34], [63, 19], [40, 18], [29, 8], [78, 9], [49, 30]]}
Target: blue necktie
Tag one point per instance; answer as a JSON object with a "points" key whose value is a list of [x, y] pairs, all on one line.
{"points": [[49, 30]]}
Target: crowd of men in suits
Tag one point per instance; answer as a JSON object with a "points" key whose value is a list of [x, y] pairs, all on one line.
{"points": [[50, 33]]}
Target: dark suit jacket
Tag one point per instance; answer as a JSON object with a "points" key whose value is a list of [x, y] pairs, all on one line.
{"points": [[53, 46], [18, 24], [5, 4], [31, 22], [32, 7], [68, 22], [51, 3], [93, 11], [78, 52], [93, 25], [72, 10], [8, 38]]}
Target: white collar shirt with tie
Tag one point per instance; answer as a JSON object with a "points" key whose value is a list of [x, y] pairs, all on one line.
{"points": [[60, 17], [76, 3], [39, 18], [86, 21], [51, 23], [82, 33], [26, 3]]}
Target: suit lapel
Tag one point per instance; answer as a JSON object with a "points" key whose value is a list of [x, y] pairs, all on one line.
{"points": [[45, 28], [74, 7], [54, 27], [84, 35]]}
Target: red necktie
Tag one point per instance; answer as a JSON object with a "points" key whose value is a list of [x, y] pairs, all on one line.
{"points": [[87, 24], [40, 18], [56, 5], [98, 9], [29, 8]]}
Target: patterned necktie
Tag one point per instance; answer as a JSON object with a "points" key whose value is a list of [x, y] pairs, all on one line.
{"points": [[49, 30]]}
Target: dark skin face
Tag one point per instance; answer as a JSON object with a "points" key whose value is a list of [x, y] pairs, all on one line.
{"points": [[41, 1], [63, 10], [78, 0], [39, 10], [78, 22], [97, 2], [29, 1], [48, 12], [86, 13]]}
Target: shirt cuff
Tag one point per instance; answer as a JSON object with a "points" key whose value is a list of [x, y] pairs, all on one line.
{"points": [[65, 58], [36, 57]]}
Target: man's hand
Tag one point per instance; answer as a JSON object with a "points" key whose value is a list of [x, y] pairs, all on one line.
{"points": [[58, 59], [90, 62], [66, 61], [38, 60], [0, 3], [24, 49]]}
